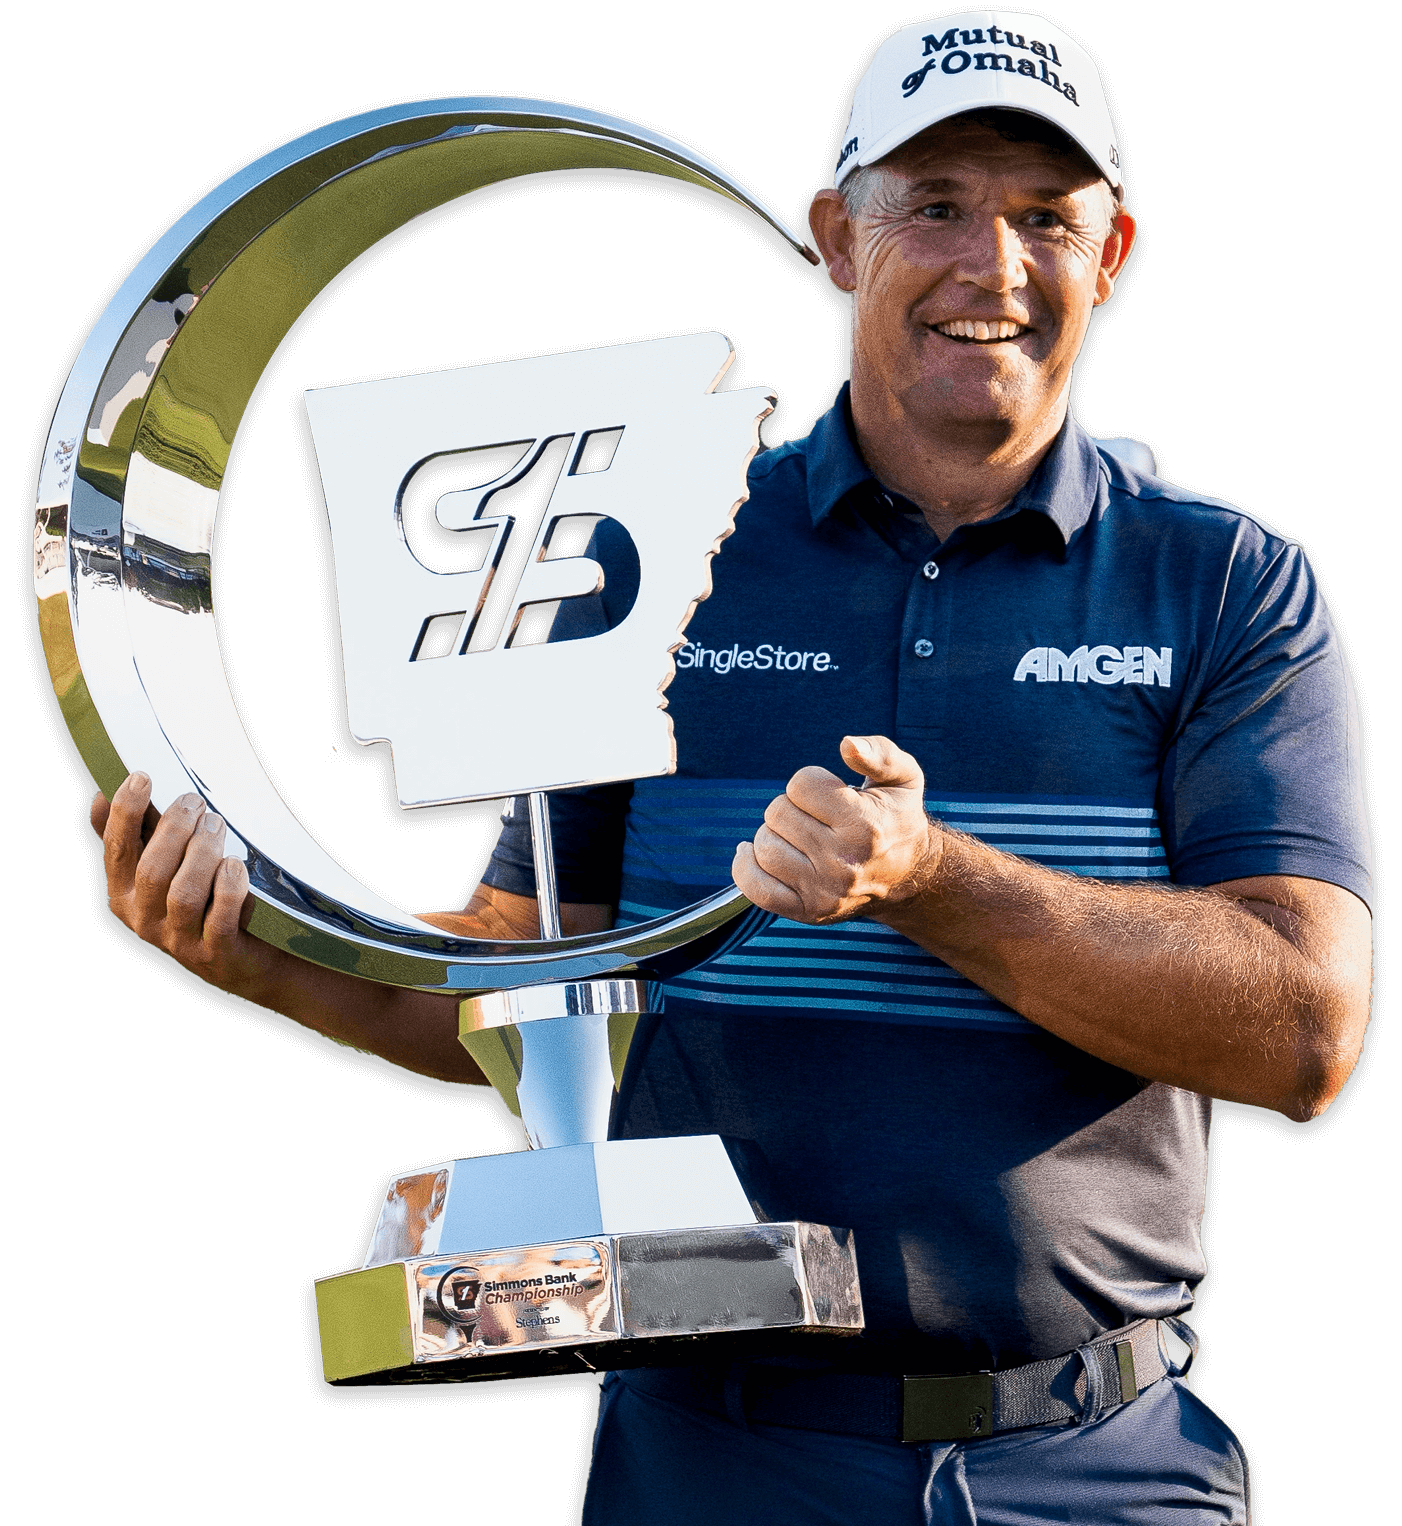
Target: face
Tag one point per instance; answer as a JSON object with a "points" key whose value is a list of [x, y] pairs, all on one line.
{"points": [[975, 264]]}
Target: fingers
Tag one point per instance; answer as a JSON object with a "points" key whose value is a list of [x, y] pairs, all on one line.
{"points": [[780, 859], [98, 812], [194, 879], [162, 857], [227, 915], [178, 891], [820, 794], [827, 851], [817, 879], [121, 833], [761, 888], [885, 765], [826, 798], [249, 904], [810, 835]]}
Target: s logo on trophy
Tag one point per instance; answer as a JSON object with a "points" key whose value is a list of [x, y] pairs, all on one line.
{"points": [[469, 510]]}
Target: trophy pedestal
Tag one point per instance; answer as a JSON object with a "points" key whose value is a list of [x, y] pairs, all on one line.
{"points": [[583, 1253], [592, 1304], [567, 1192]]}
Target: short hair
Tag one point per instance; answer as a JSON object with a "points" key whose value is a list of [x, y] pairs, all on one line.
{"points": [[1010, 125]]}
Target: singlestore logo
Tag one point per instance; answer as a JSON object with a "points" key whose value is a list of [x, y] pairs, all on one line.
{"points": [[1097, 665], [762, 658]]}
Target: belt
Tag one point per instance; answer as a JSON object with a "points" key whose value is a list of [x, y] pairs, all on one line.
{"points": [[1109, 1371]]}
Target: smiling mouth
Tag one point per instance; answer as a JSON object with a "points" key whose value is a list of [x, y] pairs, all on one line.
{"points": [[981, 331]]}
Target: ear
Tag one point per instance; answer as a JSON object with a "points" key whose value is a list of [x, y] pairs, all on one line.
{"points": [[1113, 256], [831, 225]]}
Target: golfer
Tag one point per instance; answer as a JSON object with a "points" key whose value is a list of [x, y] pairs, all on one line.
{"points": [[1049, 771]]}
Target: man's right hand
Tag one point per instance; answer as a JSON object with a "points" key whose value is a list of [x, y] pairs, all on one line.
{"points": [[168, 880]]}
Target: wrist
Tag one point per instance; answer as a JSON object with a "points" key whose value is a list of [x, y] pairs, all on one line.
{"points": [[264, 974], [922, 877]]}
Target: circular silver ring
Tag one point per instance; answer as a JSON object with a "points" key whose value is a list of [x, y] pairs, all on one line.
{"points": [[129, 487]]}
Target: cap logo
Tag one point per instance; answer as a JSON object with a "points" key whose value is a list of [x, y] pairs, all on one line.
{"points": [[956, 60], [848, 149]]}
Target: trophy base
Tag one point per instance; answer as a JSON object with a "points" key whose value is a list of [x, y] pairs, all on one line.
{"points": [[590, 1305], [566, 1192]]}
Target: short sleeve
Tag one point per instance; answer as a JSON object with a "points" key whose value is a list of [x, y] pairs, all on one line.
{"points": [[1264, 775], [586, 833]]}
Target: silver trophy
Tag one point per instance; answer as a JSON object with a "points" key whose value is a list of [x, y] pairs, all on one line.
{"points": [[461, 507]]}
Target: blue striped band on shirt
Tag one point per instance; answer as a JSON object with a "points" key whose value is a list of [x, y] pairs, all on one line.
{"points": [[681, 836]]}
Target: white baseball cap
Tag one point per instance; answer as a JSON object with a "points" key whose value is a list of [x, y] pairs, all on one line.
{"points": [[1008, 59]]}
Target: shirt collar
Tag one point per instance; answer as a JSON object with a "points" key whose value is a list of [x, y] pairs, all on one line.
{"points": [[1063, 488], [835, 465]]}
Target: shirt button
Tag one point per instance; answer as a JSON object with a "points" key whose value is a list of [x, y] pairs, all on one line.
{"points": [[930, 570], [924, 648]]}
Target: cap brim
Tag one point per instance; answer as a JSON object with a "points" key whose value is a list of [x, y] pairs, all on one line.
{"points": [[914, 128]]}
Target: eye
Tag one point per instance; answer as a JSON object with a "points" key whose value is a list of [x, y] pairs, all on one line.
{"points": [[936, 212], [1043, 219]]}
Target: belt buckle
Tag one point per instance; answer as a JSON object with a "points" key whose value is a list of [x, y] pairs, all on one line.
{"points": [[946, 1408]]}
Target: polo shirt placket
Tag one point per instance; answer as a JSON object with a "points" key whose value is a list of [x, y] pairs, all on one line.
{"points": [[924, 650]]}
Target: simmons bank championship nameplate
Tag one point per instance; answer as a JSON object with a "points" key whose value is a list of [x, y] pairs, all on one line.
{"points": [[465, 509]]}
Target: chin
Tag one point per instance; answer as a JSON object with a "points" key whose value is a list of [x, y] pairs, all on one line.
{"points": [[942, 399]]}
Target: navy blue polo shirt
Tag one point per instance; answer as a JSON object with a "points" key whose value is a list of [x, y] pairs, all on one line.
{"points": [[1111, 677]]}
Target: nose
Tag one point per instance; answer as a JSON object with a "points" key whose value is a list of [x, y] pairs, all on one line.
{"points": [[992, 257]]}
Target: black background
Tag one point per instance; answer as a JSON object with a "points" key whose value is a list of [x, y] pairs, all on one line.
{"points": [[199, 1162]]}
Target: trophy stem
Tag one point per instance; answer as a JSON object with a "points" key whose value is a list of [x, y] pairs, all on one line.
{"points": [[555, 1052], [547, 893]]}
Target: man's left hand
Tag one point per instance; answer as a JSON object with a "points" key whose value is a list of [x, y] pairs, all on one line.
{"points": [[827, 851]]}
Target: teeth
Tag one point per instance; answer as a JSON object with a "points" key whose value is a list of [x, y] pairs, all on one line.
{"points": [[970, 328]]}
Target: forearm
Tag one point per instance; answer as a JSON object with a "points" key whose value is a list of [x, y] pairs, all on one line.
{"points": [[168, 881], [1222, 995], [415, 1029], [1254, 990]]}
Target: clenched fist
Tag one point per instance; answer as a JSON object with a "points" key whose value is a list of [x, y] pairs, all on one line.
{"points": [[827, 851]]}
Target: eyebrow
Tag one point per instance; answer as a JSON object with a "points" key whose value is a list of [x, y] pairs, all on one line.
{"points": [[1039, 193], [935, 183]]}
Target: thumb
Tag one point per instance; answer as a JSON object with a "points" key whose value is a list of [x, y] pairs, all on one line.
{"points": [[885, 765]]}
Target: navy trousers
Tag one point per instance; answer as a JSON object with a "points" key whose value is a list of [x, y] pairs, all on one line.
{"points": [[1163, 1460]]}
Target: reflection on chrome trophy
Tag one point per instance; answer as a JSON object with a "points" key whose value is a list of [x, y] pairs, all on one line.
{"points": [[462, 508]]}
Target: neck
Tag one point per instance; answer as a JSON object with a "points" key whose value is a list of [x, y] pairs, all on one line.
{"points": [[957, 472]]}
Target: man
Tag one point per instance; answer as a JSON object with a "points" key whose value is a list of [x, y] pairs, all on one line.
{"points": [[985, 1037]]}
